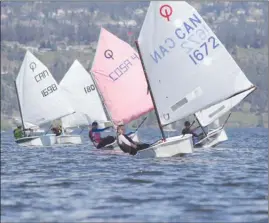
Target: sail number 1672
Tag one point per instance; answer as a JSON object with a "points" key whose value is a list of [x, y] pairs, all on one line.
{"points": [[199, 55]]}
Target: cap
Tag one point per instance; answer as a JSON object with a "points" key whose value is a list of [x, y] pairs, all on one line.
{"points": [[187, 123], [94, 123]]}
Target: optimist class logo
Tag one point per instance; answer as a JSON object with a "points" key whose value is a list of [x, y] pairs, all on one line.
{"points": [[32, 66], [108, 54], [166, 11]]}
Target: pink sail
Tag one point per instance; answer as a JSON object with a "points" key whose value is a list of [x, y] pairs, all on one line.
{"points": [[120, 78]]}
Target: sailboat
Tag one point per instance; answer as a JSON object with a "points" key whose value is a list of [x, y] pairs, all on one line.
{"points": [[32, 128], [114, 145], [40, 100], [187, 69], [210, 117], [118, 75], [80, 89]]}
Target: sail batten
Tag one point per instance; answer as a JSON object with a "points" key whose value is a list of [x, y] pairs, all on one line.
{"points": [[188, 67], [40, 97]]}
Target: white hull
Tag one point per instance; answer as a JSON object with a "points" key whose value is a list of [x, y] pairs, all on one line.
{"points": [[173, 146], [214, 137], [45, 140], [69, 139]]}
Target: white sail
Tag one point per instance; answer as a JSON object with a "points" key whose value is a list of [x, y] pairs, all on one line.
{"points": [[27, 125], [214, 125], [188, 67], [79, 88], [40, 96], [209, 115]]}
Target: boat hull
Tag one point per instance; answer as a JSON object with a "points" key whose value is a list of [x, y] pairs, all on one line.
{"points": [[69, 139], [43, 140], [173, 146], [214, 137]]}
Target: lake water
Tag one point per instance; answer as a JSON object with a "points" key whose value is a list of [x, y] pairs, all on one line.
{"points": [[228, 183]]}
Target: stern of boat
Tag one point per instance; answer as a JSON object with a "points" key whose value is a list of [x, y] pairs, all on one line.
{"points": [[213, 138], [48, 140], [69, 139]]}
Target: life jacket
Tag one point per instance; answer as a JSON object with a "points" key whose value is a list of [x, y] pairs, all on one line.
{"points": [[18, 133], [186, 131], [56, 131], [95, 136]]}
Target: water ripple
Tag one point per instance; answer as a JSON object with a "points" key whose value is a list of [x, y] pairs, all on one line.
{"points": [[228, 183]]}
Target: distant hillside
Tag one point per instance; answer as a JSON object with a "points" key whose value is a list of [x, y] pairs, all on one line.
{"points": [[59, 33]]}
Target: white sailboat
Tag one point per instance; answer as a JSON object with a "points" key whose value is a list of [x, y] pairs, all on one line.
{"points": [[210, 117], [80, 89], [40, 99], [187, 67]]}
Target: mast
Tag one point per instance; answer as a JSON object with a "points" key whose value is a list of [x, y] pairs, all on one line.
{"points": [[19, 107], [151, 94], [102, 99]]}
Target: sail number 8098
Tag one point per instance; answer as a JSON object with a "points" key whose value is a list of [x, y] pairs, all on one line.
{"points": [[49, 90]]}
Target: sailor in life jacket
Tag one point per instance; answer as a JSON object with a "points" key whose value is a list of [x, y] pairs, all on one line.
{"points": [[126, 144], [18, 132], [57, 130], [95, 136], [187, 130]]}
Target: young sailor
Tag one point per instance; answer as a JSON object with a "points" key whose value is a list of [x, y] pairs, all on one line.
{"points": [[95, 136], [18, 132], [57, 130], [126, 144], [188, 130]]}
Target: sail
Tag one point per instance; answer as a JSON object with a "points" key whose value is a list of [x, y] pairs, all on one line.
{"points": [[188, 67], [40, 96], [78, 86], [209, 115], [119, 75], [27, 125]]}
